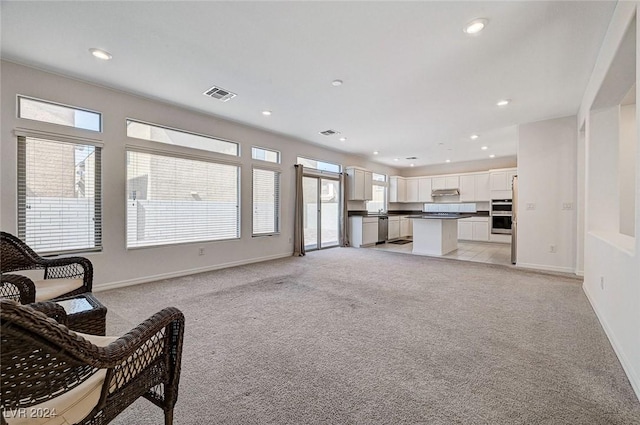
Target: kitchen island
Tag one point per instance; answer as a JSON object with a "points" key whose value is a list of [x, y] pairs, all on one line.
{"points": [[436, 233]]}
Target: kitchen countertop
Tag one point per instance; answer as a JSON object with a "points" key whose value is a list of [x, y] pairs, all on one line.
{"points": [[441, 216], [412, 214]]}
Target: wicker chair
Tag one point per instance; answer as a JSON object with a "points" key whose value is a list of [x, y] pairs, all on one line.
{"points": [[46, 369], [63, 277]]}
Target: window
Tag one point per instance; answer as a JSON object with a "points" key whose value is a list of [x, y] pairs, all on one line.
{"points": [[266, 202], [41, 110], [156, 133], [59, 195], [173, 200], [379, 201], [318, 165], [264, 154]]}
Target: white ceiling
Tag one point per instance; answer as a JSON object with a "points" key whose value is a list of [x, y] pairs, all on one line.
{"points": [[414, 83]]}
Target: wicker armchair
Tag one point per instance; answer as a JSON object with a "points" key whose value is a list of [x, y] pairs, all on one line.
{"points": [[62, 276], [46, 369]]}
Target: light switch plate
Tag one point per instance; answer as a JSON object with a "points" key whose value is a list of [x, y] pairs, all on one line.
{"points": [[567, 205]]}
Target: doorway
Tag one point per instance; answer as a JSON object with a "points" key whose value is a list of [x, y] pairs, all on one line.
{"points": [[321, 198]]}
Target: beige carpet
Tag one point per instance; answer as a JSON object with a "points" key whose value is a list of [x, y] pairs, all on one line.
{"points": [[348, 336]]}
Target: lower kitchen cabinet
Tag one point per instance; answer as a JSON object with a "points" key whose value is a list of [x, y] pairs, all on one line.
{"points": [[474, 229], [394, 228], [406, 228], [363, 231]]}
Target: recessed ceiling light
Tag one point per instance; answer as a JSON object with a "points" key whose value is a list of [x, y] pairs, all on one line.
{"points": [[342, 139], [474, 136], [411, 165], [503, 102], [484, 148], [266, 113], [336, 83], [448, 160], [376, 152], [492, 156], [101, 54], [475, 26], [396, 159]]}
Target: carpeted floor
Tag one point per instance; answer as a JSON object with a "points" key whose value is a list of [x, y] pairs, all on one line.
{"points": [[349, 336]]}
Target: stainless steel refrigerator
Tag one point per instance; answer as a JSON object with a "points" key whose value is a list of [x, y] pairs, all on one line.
{"points": [[514, 220]]}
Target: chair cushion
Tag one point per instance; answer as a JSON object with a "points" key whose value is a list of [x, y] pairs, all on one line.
{"points": [[47, 289], [72, 406], [66, 409]]}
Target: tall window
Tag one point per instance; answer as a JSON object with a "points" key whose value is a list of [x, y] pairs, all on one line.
{"points": [[266, 202], [378, 203], [59, 195], [172, 200]]}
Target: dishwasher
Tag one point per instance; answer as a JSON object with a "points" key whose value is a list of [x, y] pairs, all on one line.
{"points": [[383, 229]]}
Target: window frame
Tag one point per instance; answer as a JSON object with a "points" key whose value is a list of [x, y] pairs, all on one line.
{"points": [[277, 208], [21, 188], [188, 132], [384, 184], [180, 155], [335, 173], [64, 105], [267, 150]]}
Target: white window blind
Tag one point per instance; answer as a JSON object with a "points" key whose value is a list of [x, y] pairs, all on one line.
{"points": [[59, 195], [266, 202], [176, 200]]}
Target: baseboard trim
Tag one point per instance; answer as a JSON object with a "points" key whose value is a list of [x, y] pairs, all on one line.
{"points": [[146, 279], [634, 379], [547, 268], [579, 273]]}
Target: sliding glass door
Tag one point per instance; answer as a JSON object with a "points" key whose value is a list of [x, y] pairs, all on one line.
{"points": [[321, 198]]}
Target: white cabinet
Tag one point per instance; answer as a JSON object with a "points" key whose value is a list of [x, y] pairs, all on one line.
{"points": [[412, 190], [500, 182], [397, 189], [468, 188], [451, 182], [394, 228], [474, 229], [363, 231], [406, 228], [424, 189], [438, 183], [474, 188], [483, 193], [359, 184]]}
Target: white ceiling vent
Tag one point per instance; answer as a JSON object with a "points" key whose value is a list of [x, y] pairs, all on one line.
{"points": [[220, 94], [329, 132]]}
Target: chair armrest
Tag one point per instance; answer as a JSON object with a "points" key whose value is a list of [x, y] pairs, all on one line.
{"points": [[52, 310], [68, 267], [18, 288]]}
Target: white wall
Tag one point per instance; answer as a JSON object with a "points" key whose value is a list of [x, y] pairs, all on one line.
{"points": [[612, 260], [115, 264], [461, 167], [547, 180], [627, 182]]}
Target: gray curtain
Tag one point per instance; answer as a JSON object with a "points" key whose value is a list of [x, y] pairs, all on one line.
{"points": [[344, 212], [298, 229]]}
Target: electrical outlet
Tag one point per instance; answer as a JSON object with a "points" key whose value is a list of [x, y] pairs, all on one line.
{"points": [[602, 282], [531, 206], [552, 249], [200, 251], [567, 206]]}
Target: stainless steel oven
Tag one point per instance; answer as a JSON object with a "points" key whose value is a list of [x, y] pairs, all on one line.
{"points": [[501, 216]]}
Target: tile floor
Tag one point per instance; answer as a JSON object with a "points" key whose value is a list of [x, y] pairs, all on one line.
{"points": [[483, 252]]}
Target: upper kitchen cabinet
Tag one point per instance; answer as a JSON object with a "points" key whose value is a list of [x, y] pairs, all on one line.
{"points": [[500, 182], [397, 189], [359, 184], [445, 182], [412, 190], [474, 188], [424, 189]]}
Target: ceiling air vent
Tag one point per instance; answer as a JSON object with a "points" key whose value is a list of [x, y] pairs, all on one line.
{"points": [[329, 132], [221, 94], [412, 157]]}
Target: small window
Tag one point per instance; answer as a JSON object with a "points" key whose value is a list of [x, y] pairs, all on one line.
{"points": [[379, 177], [379, 191], [55, 113], [263, 154], [266, 202], [319, 165], [170, 136]]}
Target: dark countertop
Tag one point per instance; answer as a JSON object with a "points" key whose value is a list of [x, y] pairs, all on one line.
{"points": [[410, 213], [441, 216]]}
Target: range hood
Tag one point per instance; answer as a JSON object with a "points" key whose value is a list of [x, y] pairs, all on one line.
{"points": [[445, 192]]}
